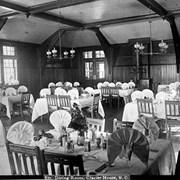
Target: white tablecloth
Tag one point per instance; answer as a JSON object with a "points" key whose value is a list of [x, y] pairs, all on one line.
{"points": [[125, 92], [41, 108], [161, 160], [9, 100], [130, 112]]}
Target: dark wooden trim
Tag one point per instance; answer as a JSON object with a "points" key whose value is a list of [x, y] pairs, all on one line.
{"points": [[176, 40], [106, 47], [3, 22], [56, 4], [151, 4], [58, 19], [14, 6], [22, 9]]}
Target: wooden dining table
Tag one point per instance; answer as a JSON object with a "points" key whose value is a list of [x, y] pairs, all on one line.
{"points": [[41, 107], [161, 160]]}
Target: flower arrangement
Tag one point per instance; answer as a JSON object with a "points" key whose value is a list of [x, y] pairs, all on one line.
{"points": [[78, 121]]}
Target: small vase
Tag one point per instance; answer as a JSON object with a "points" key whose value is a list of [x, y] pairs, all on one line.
{"points": [[81, 138]]}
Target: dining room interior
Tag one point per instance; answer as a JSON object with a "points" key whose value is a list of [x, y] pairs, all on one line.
{"points": [[75, 72]]}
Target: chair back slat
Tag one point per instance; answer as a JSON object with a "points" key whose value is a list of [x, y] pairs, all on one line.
{"points": [[53, 168], [32, 165], [18, 163], [63, 160], [25, 164]]}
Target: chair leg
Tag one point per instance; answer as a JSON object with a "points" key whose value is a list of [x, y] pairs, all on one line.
{"points": [[21, 111]]}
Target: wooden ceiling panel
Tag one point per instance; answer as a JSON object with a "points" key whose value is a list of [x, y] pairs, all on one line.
{"points": [[118, 19]]}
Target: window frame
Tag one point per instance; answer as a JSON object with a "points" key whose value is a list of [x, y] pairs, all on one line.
{"points": [[14, 59], [95, 60]]}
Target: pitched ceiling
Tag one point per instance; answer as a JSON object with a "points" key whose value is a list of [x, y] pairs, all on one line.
{"points": [[35, 21]]}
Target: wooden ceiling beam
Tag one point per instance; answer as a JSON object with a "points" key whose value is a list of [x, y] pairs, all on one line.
{"points": [[157, 8], [108, 50], [13, 6], [42, 15], [58, 19], [3, 22], [56, 4]]}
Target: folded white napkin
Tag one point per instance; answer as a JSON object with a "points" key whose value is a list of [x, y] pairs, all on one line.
{"points": [[148, 127], [21, 133]]}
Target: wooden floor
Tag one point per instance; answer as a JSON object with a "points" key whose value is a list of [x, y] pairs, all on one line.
{"points": [[110, 114]]}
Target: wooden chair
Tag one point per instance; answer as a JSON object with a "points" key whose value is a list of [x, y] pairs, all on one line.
{"points": [[23, 105], [52, 89], [94, 106], [24, 160], [64, 102], [114, 95], [105, 94], [177, 170], [121, 124], [172, 111], [98, 124], [127, 99], [66, 162], [145, 107], [52, 103]]}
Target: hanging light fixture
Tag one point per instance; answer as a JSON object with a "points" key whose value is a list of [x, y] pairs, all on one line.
{"points": [[162, 45], [53, 54]]}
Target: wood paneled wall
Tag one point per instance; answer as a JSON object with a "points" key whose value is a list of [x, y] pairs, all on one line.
{"points": [[162, 67]]}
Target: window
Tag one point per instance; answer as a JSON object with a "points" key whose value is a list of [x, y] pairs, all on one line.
{"points": [[94, 64], [100, 54], [87, 54], [10, 64], [89, 70]]}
